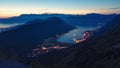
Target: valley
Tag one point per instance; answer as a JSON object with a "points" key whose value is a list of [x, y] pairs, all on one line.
{"points": [[59, 33], [45, 43]]}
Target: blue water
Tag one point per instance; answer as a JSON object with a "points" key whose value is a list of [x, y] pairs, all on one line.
{"points": [[68, 36]]}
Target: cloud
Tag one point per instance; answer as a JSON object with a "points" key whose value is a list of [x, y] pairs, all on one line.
{"points": [[8, 25], [110, 8], [114, 8]]}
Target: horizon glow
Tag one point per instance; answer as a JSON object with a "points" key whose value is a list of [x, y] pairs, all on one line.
{"points": [[10, 8]]}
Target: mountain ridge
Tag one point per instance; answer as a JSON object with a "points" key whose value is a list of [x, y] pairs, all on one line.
{"points": [[33, 34], [81, 20]]}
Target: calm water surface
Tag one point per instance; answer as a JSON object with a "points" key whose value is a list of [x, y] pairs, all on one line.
{"points": [[68, 36]]}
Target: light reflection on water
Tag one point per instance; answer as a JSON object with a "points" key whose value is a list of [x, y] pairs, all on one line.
{"points": [[68, 36]]}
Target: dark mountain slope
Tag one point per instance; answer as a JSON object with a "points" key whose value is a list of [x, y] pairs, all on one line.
{"points": [[11, 64], [109, 27], [28, 36], [98, 52]]}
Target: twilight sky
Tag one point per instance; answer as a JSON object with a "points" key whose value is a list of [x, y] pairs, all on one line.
{"points": [[16, 7]]}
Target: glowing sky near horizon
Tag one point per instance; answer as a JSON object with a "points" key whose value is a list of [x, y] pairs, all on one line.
{"points": [[17, 7]]}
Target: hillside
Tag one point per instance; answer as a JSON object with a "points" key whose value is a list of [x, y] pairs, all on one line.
{"points": [[11, 64], [27, 37], [101, 51]]}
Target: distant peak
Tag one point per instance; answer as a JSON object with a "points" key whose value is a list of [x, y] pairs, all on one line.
{"points": [[93, 14], [54, 18], [29, 14]]}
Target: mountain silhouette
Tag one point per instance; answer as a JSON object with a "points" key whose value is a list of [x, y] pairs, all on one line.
{"points": [[28, 36], [78, 20]]}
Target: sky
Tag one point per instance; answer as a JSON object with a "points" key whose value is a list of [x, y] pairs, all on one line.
{"points": [[10, 8]]}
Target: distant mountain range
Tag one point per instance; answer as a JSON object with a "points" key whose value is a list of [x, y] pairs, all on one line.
{"points": [[26, 37], [79, 20]]}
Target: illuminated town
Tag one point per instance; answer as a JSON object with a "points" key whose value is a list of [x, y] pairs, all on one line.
{"points": [[51, 45]]}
